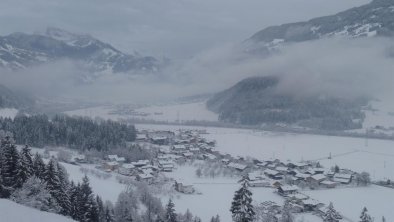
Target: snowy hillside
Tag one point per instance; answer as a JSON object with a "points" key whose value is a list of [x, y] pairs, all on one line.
{"points": [[8, 113], [373, 19], [13, 212]]}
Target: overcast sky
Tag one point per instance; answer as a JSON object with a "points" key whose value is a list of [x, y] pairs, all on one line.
{"points": [[172, 28]]}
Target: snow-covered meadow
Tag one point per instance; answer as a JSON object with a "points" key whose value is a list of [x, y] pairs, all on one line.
{"points": [[216, 194]]}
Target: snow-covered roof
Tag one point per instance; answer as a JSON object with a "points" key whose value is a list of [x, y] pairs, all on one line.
{"points": [[113, 163], [112, 157], [318, 177], [141, 136], [179, 147], [281, 168], [289, 188], [327, 182], [141, 163], [188, 154], [128, 166], [145, 176], [271, 172], [343, 176], [237, 166]]}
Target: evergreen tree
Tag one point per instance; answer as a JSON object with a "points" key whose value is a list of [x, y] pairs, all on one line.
{"points": [[170, 212], [383, 219], [55, 187], [10, 163], [100, 208], [331, 214], [26, 165], [74, 200], [86, 204], [365, 217], [241, 207], [63, 176], [109, 215], [38, 166], [286, 213]]}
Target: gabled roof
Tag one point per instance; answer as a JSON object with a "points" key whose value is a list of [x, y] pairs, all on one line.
{"points": [[237, 166], [318, 177], [288, 188], [271, 172]]}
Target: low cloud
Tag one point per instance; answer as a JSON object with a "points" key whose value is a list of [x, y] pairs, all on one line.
{"points": [[341, 67]]}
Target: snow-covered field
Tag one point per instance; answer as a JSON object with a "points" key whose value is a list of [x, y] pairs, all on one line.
{"points": [[8, 113], [13, 212], [382, 116], [168, 113], [216, 194], [350, 201]]}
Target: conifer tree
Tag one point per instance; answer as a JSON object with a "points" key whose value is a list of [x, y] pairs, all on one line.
{"points": [[331, 214], [26, 165], [365, 217], [109, 215], [10, 162], [241, 207], [74, 200], [170, 212], [38, 166], [86, 204], [55, 187]]}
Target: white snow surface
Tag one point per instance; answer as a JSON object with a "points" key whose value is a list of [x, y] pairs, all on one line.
{"points": [[350, 201], [216, 194], [8, 112], [13, 212]]}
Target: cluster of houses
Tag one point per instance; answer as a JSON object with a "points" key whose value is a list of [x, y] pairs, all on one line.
{"points": [[292, 173], [171, 148], [189, 144]]}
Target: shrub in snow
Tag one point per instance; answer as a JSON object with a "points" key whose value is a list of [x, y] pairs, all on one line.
{"points": [[34, 194], [364, 217]]}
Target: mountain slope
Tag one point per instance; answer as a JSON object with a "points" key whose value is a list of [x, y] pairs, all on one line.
{"points": [[373, 19], [19, 50], [256, 100]]}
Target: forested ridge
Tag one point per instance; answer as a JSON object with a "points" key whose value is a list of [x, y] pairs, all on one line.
{"points": [[74, 132]]}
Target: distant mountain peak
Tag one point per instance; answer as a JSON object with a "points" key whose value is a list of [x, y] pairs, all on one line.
{"points": [[95, 58]]}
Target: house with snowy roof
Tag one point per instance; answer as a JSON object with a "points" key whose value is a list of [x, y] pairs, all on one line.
{"points": [[287, 190]]}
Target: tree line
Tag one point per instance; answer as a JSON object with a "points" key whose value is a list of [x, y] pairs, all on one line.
{"points": [[74, 132], [27, 180]]}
